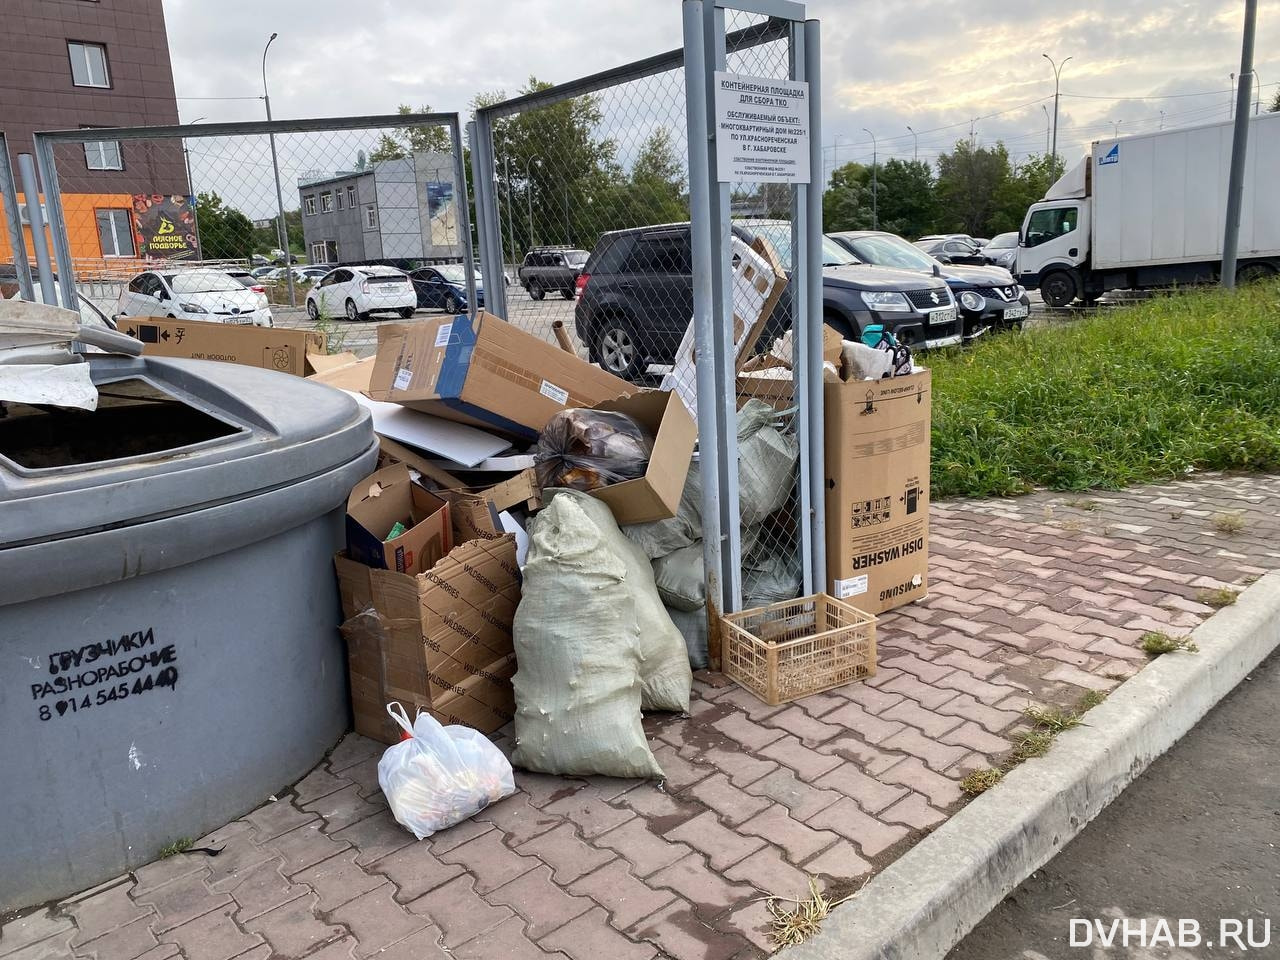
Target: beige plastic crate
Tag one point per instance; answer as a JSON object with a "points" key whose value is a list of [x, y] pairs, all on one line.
{"points": [[792, 649]]}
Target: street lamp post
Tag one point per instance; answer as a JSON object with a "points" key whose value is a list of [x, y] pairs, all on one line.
{"points": [[281, 231], [1046, 128], [1057, 77], [1257, 104], [511, 226], [875, 186], [528, 191], [915, 144], [195, 205], [1161, 119], [1115, 127]]}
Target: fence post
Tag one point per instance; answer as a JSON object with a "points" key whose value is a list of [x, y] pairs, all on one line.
{"points": [[487, 223], [801, 307], [13, 216], [31, 188], [57, 222], [464, 216], [814, 323]]}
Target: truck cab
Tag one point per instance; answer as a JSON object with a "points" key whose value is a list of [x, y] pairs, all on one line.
{"points": [[1053, 245]]}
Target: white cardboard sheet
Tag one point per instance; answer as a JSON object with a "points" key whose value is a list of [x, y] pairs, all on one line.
{"points": [[462, 444]]}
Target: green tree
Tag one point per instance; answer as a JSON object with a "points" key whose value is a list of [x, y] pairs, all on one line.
{"points": [[846, 203], [405, 141], [905, 197], [1275, 104], [225, 232], [1025, 185], [267, 238], [970, 183]]}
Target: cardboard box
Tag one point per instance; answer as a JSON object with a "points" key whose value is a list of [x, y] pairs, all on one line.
{"points": [[497, 377], [440, 641], [271, 348], [385, 498], [877, 456], [344, 370], [656, 495]]}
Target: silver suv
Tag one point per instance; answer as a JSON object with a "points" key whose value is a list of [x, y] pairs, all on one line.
{"points": [[552, 269]]}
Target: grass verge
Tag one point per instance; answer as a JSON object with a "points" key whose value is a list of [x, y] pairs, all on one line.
{"points": [[1186, 381]]}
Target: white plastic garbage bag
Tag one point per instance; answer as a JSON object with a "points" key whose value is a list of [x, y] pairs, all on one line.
{"points": [[440, 775]]}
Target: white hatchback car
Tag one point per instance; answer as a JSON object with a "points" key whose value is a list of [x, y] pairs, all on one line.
{"points": [[208, 295], [357, 292]]}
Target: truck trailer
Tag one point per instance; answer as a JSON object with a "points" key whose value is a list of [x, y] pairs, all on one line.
{"points": [[1150, 211]]}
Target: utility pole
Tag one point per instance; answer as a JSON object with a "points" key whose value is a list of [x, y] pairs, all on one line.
{"points": [[511, 227], [195, 205], [281, 231], [875, 186], [1239, 148], [1057, 77], [1161, 119], [1257, 104], [1115, 127], [915, 144], [1046, 128], [1231, 98]]}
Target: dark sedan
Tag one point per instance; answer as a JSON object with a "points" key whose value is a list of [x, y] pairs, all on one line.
{"points": [[444, 287], [988, 296]]}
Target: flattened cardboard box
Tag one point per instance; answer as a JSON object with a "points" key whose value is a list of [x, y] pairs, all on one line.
{"points": [[496, 377], [440, 641], [271, 348], [877, 464]]}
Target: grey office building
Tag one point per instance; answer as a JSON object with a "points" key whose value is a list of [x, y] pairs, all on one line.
{"points": [[403, 209]]}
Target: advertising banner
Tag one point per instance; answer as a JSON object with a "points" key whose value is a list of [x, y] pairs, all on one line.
{"points": [[166, 226]]}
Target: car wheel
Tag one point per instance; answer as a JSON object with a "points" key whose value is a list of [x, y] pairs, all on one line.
{"points": [[535, 290], [617, 351], [1059, 289], [1253, 273], [451, 304], [406, 312], [352, 312], [848, 329], [313, 311], [568, 293]]}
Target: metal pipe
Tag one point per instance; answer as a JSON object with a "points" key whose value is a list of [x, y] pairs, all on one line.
{"points": [[801, 309], [813, 380], [464, 217], [700, 187], [47, 166], [31, 193], [9, 200], [195, 204], [1239, 148], [281, 230], [484, 182]]}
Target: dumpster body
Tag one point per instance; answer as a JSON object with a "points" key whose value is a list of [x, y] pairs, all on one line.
{"points": [[169, 651]]}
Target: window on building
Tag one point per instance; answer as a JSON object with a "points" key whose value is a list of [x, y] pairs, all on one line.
{"points": [[351, 197], [88, 64], [370, 217], [326, 203], [339, 199], [103, 155], [318, 253], [309, 204], [115, 233]]}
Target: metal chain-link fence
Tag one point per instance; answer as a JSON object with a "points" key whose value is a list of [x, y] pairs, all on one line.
{"points": [[584, 207], [246, 223]]}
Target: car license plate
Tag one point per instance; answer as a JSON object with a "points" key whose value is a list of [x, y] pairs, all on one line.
{"points": [[241, 320], [1017, 313], [943, 316]]}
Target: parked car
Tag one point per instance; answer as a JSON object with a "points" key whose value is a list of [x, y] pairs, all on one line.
{"points": [[249, 281], [276, 275], [210, 295], [1002, 250], [953, 249], [988, 296], [552, 269], [445, 286], [636, 296], [357, 292], [261, 271]]}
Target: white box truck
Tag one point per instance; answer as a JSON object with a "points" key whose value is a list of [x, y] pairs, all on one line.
{"points": [[1150, 211]]}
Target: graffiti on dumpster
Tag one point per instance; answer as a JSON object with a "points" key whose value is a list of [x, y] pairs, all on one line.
{"points": [[103, 672]]}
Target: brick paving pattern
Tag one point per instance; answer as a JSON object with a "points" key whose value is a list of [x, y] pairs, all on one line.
{"points": [[1033, 601]]}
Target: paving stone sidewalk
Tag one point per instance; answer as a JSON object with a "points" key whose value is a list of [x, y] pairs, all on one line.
{"points": [[1034, 600]]}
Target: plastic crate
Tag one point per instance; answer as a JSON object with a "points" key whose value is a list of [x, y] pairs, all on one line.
{"points": [[792, 649]]}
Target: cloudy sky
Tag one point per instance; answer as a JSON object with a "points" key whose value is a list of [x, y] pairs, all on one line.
{"points": [[887, 64]]}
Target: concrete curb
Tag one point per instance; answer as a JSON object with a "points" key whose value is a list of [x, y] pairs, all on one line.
{"points": [[924, 903]]}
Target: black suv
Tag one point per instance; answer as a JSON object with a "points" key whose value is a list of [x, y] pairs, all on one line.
{"points": [[989, 297], [551, 269], [636, 296]]}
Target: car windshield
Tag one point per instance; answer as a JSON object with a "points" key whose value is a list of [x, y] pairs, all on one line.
{"points": [[886, 251], [1003, 241], [779, 235], [453, 273], [205, 281]]}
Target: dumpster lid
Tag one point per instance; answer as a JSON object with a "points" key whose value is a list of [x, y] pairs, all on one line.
{"points": [[199, 434]]}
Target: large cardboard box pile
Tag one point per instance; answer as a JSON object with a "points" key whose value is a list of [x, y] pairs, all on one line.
{"points": [[497, 376], [271, 348], [877, 462]]}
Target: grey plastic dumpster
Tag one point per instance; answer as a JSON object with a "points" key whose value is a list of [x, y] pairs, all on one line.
{"points": [[169, 652]]}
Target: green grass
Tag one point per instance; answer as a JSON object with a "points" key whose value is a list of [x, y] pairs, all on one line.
{"points": [[980, 781], [1222, 597], [1156, 643], [1190, 380], [181, 845]]}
